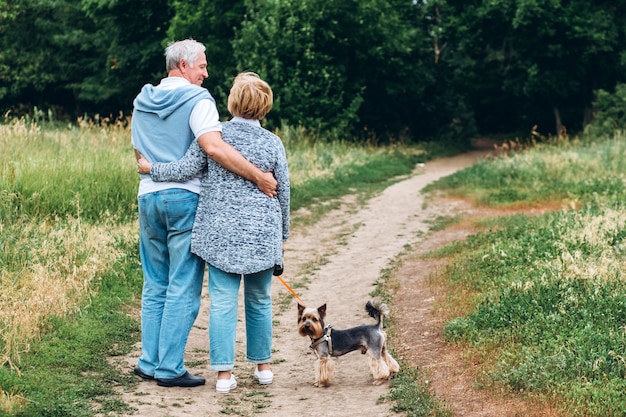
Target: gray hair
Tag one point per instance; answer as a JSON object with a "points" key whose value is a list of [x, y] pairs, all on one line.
{"points": [[187, 50]]}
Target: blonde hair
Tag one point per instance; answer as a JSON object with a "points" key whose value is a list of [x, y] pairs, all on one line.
{"points": [[250, 97]]}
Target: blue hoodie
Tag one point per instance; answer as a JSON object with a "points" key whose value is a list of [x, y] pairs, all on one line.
{"points": [[160, 122]]}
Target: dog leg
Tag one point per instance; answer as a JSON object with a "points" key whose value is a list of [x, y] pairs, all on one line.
{"points": [[391, 362], [317, 373], [394, 368], [379, 368], [324, 372]]}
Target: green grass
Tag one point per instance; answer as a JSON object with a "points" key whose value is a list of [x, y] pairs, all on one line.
{"points": [[410, 391], [66, 372], [372, 174], [544, 300], [66, 171], [559, 171], [322, 171], [545, 294], [409, 388], [552, 306]]}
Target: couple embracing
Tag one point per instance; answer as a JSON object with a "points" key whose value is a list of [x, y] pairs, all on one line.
{"points": [[213, 194]]}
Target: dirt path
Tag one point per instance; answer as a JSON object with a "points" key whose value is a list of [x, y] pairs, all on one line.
{"points": [[340, 259]]}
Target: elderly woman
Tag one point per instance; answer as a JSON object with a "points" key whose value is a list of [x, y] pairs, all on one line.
{"points": [[238, 230]]}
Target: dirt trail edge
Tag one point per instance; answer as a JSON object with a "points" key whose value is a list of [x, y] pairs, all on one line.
{"points": [[340, 258]]}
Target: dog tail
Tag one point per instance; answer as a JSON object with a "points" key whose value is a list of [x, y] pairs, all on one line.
{"points": [[377, 310]]}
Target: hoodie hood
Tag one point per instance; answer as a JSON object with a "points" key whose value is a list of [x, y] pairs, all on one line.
{"points": [[163, 102]]}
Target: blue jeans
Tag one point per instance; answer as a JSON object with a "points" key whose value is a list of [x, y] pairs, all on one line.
{"points": [[172, 280], [224, 294]]}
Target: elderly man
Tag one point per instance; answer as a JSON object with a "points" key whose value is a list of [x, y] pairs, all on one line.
{"points": [[166, 118]]}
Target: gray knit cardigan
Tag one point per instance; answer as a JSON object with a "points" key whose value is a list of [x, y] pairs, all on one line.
{"points": [[237, 228]]}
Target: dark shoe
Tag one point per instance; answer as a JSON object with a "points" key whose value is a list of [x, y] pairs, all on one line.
{"points": [[141, 374], [185, 380]]}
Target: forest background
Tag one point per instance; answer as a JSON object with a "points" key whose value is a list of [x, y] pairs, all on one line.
{"points": [[372, 70]]}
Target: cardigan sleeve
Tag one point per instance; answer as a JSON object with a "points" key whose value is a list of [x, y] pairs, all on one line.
{"points": [[193, 162], [281, 173]]}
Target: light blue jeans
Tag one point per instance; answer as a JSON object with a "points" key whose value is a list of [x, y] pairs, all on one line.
{"points": [[224, 294], [172, 280]]}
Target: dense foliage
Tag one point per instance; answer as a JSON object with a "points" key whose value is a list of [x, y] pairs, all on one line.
{"points": [[383, 69], [533, 61]]}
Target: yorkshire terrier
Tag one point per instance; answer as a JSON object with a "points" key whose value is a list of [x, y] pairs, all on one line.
{"points": [[328, 342]]}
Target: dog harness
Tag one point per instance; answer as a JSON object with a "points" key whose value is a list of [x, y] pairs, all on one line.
{"points": [[325, 338]]}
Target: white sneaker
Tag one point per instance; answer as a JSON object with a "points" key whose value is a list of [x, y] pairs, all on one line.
{"points": [[264, 377], [223, 386]]}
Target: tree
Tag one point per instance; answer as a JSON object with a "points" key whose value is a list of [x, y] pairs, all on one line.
{"points": [[130, 38], [285, 42], [212, 22], [353, 67], [41, 54], [527, 62], [79, 57]]}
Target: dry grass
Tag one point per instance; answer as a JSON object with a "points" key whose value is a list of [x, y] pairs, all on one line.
{"points": [[596, 231], [54, 281], [311, 158], [9, 403]]}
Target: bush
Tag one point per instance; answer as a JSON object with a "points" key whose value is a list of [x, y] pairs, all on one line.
{"points": [[609, 112]]}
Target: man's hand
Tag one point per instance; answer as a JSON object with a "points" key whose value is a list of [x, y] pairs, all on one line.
{"points": [[143, 165], [228, 157], [267, 184]]}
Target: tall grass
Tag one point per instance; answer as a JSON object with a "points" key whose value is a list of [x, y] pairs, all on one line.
{"points": [[67, 372], [543, 297], [320, 169], [561, 170], [64, 192], [69, 267], [48, 269], [312, 158], [76, 171]]}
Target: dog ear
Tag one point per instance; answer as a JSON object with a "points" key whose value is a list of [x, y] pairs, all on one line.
{"points": [[322, 311], [300, 309]]}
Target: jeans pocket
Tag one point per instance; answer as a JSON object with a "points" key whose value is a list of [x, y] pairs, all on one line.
{"points": [[181, 212]]}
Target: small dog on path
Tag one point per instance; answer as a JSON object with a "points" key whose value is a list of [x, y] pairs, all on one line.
{"points": [[328, 342]]}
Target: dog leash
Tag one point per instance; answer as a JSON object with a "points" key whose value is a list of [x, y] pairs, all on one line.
{"points": [[290, 289]]}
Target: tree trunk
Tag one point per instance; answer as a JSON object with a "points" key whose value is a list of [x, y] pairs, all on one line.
{"points": [[560, 128], [587, 115]]}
